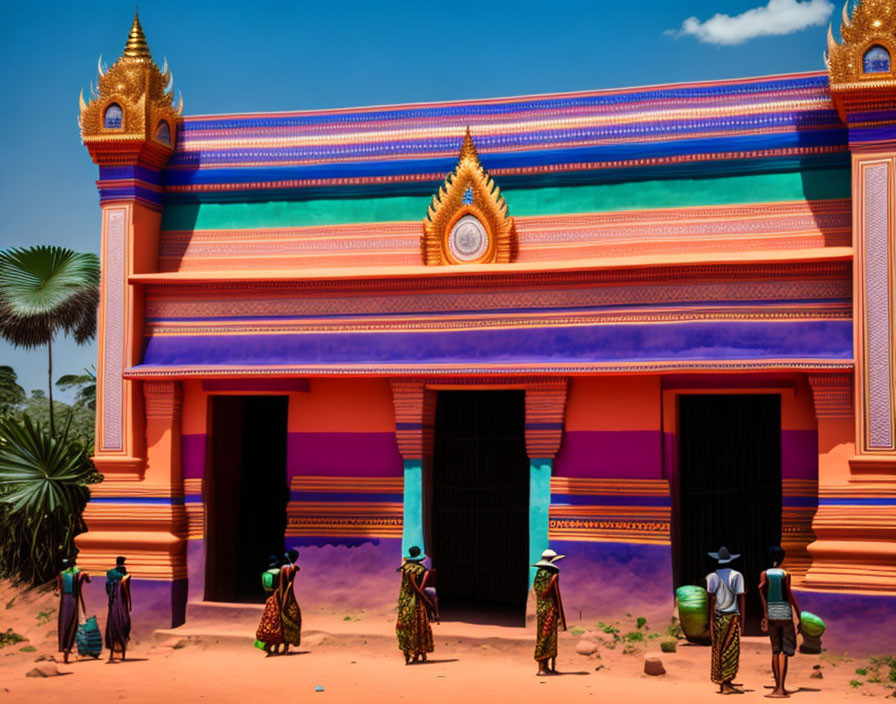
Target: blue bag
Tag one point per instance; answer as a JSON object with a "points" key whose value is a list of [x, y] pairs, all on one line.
{"points": [[89, 639]]}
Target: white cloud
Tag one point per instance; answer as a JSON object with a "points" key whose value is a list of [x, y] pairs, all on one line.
{"points": [[777, 18]]}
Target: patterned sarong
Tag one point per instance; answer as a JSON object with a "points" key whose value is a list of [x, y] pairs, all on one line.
{"points": [[412, 627], [548, 617], [725, 647], [270, 630], [290, 613]]}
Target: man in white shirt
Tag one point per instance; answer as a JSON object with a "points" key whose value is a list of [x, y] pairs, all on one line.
{"points": [[726, 607]]}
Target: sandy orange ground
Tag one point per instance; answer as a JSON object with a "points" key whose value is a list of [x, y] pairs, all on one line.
{"points": [[355, 668]]}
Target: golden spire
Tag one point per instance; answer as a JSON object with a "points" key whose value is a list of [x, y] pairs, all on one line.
{"points": [[131, 101], [136, 47], [468, 194], [468, 149]]}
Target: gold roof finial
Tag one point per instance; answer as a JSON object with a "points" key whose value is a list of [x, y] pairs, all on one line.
{"points": [[468, 192], [136, 46], [143, 98], [468, 149]]}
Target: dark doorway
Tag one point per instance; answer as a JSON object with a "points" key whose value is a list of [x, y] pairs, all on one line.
{"points": [[480, 506], [246, 494], [730, 487]]}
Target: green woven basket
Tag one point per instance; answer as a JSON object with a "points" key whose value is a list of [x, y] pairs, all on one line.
{"points": [[693, 611], [812, 625]]}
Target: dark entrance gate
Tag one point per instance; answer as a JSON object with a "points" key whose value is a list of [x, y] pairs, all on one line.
{"points": [[729, 487], [480, 505], [246, 494]]}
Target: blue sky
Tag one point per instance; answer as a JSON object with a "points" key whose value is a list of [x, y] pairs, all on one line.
{"points": [[262, 55]]}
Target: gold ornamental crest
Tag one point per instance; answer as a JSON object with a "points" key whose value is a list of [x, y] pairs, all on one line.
{"points": [[467, 221]]}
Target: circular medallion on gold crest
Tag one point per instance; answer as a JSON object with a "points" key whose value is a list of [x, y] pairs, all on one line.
{"points": [[468, 240]]}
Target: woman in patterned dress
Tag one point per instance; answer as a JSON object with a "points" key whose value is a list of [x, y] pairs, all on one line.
{"points": [[413, 627], [270, 630], [549, 610], [290, 613]]}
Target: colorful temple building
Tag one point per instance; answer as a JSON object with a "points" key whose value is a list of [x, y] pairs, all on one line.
{"points": [[632, 324]]}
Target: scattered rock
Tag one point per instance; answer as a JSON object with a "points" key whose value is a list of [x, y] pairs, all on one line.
{"points": [[46, 669], [654, 666], [669, 646], [586, 647], [603, 639], [182, 643], [817, 675]]}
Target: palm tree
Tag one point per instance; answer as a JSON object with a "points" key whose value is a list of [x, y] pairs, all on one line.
{"points": [[46, 290]]}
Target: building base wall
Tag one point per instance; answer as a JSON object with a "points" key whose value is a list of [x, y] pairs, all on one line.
{"points": [[348, 577], [857, 624], [602, 581]]}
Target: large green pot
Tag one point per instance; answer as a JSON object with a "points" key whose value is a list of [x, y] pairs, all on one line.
{"points": [[693, 611]]}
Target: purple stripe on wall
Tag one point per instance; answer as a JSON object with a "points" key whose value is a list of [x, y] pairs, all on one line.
{"points": [[629, 454], [192, 449], [816, 339], [343, 454], [799, 454], [284, 385]]}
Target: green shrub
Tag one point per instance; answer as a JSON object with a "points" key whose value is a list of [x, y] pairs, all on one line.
{"points": [[43, 491], [10, 637]]}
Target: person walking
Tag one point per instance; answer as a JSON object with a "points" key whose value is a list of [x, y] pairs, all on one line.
{"points": [[726, 607], [69, 589], [778, 610], [413, 626], [549, 611], [290, 613], [118, 620], [270, 630]]}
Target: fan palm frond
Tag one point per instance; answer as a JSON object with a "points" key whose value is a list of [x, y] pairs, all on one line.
{"points": [[45, 289]]}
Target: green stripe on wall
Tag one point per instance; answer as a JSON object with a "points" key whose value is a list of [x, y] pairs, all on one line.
{"points": [[818, 184], [539, 509], [412, 527]]}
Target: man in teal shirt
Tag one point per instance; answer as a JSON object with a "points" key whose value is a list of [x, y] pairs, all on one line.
{"points": [[779, 607]]}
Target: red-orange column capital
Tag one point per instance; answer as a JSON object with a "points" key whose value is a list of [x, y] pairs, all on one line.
{"points": [[415, 410], [545, 409]]}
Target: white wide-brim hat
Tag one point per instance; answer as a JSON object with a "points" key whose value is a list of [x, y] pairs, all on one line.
{"points": [[548, 558]]}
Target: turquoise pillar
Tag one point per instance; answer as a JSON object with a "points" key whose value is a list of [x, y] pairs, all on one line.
{"points": [[539, 505], [412, 532]]}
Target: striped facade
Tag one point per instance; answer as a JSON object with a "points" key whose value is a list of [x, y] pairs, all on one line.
{"points": [[687, 239]]}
